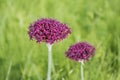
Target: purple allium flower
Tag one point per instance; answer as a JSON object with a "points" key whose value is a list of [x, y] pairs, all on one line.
{"points": [[80, 51], [48, 30]]}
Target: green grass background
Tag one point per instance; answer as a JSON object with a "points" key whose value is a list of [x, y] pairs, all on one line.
{"points": [[95, 21]]}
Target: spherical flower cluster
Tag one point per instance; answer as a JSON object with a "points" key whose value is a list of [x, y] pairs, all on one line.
{"points": [[48, 30], [80, 51]]}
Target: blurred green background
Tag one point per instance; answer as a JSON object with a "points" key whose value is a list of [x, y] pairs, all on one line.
{"points": [[95, 21]]}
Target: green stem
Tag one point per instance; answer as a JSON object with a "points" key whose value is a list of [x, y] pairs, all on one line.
{"points": [[82, 74], [49, 46]]}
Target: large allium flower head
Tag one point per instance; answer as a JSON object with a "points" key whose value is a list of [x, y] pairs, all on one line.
{"points": [[48, 30], [80, 51]]}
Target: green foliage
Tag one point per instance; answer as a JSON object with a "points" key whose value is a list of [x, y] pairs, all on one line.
{"points": [[95, 21]]}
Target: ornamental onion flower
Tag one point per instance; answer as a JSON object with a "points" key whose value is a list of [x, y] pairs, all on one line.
{"points": [[49, 31], [80, 52]]}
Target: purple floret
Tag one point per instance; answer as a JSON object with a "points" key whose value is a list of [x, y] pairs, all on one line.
{"points": [[48, 30], [80, 51]]}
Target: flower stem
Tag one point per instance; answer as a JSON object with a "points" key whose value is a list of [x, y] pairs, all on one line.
{"points": [[49, 46], [82, 76]]}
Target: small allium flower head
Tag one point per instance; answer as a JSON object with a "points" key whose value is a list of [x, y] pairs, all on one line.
{"points": [[80, 51], [48, 30]]}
